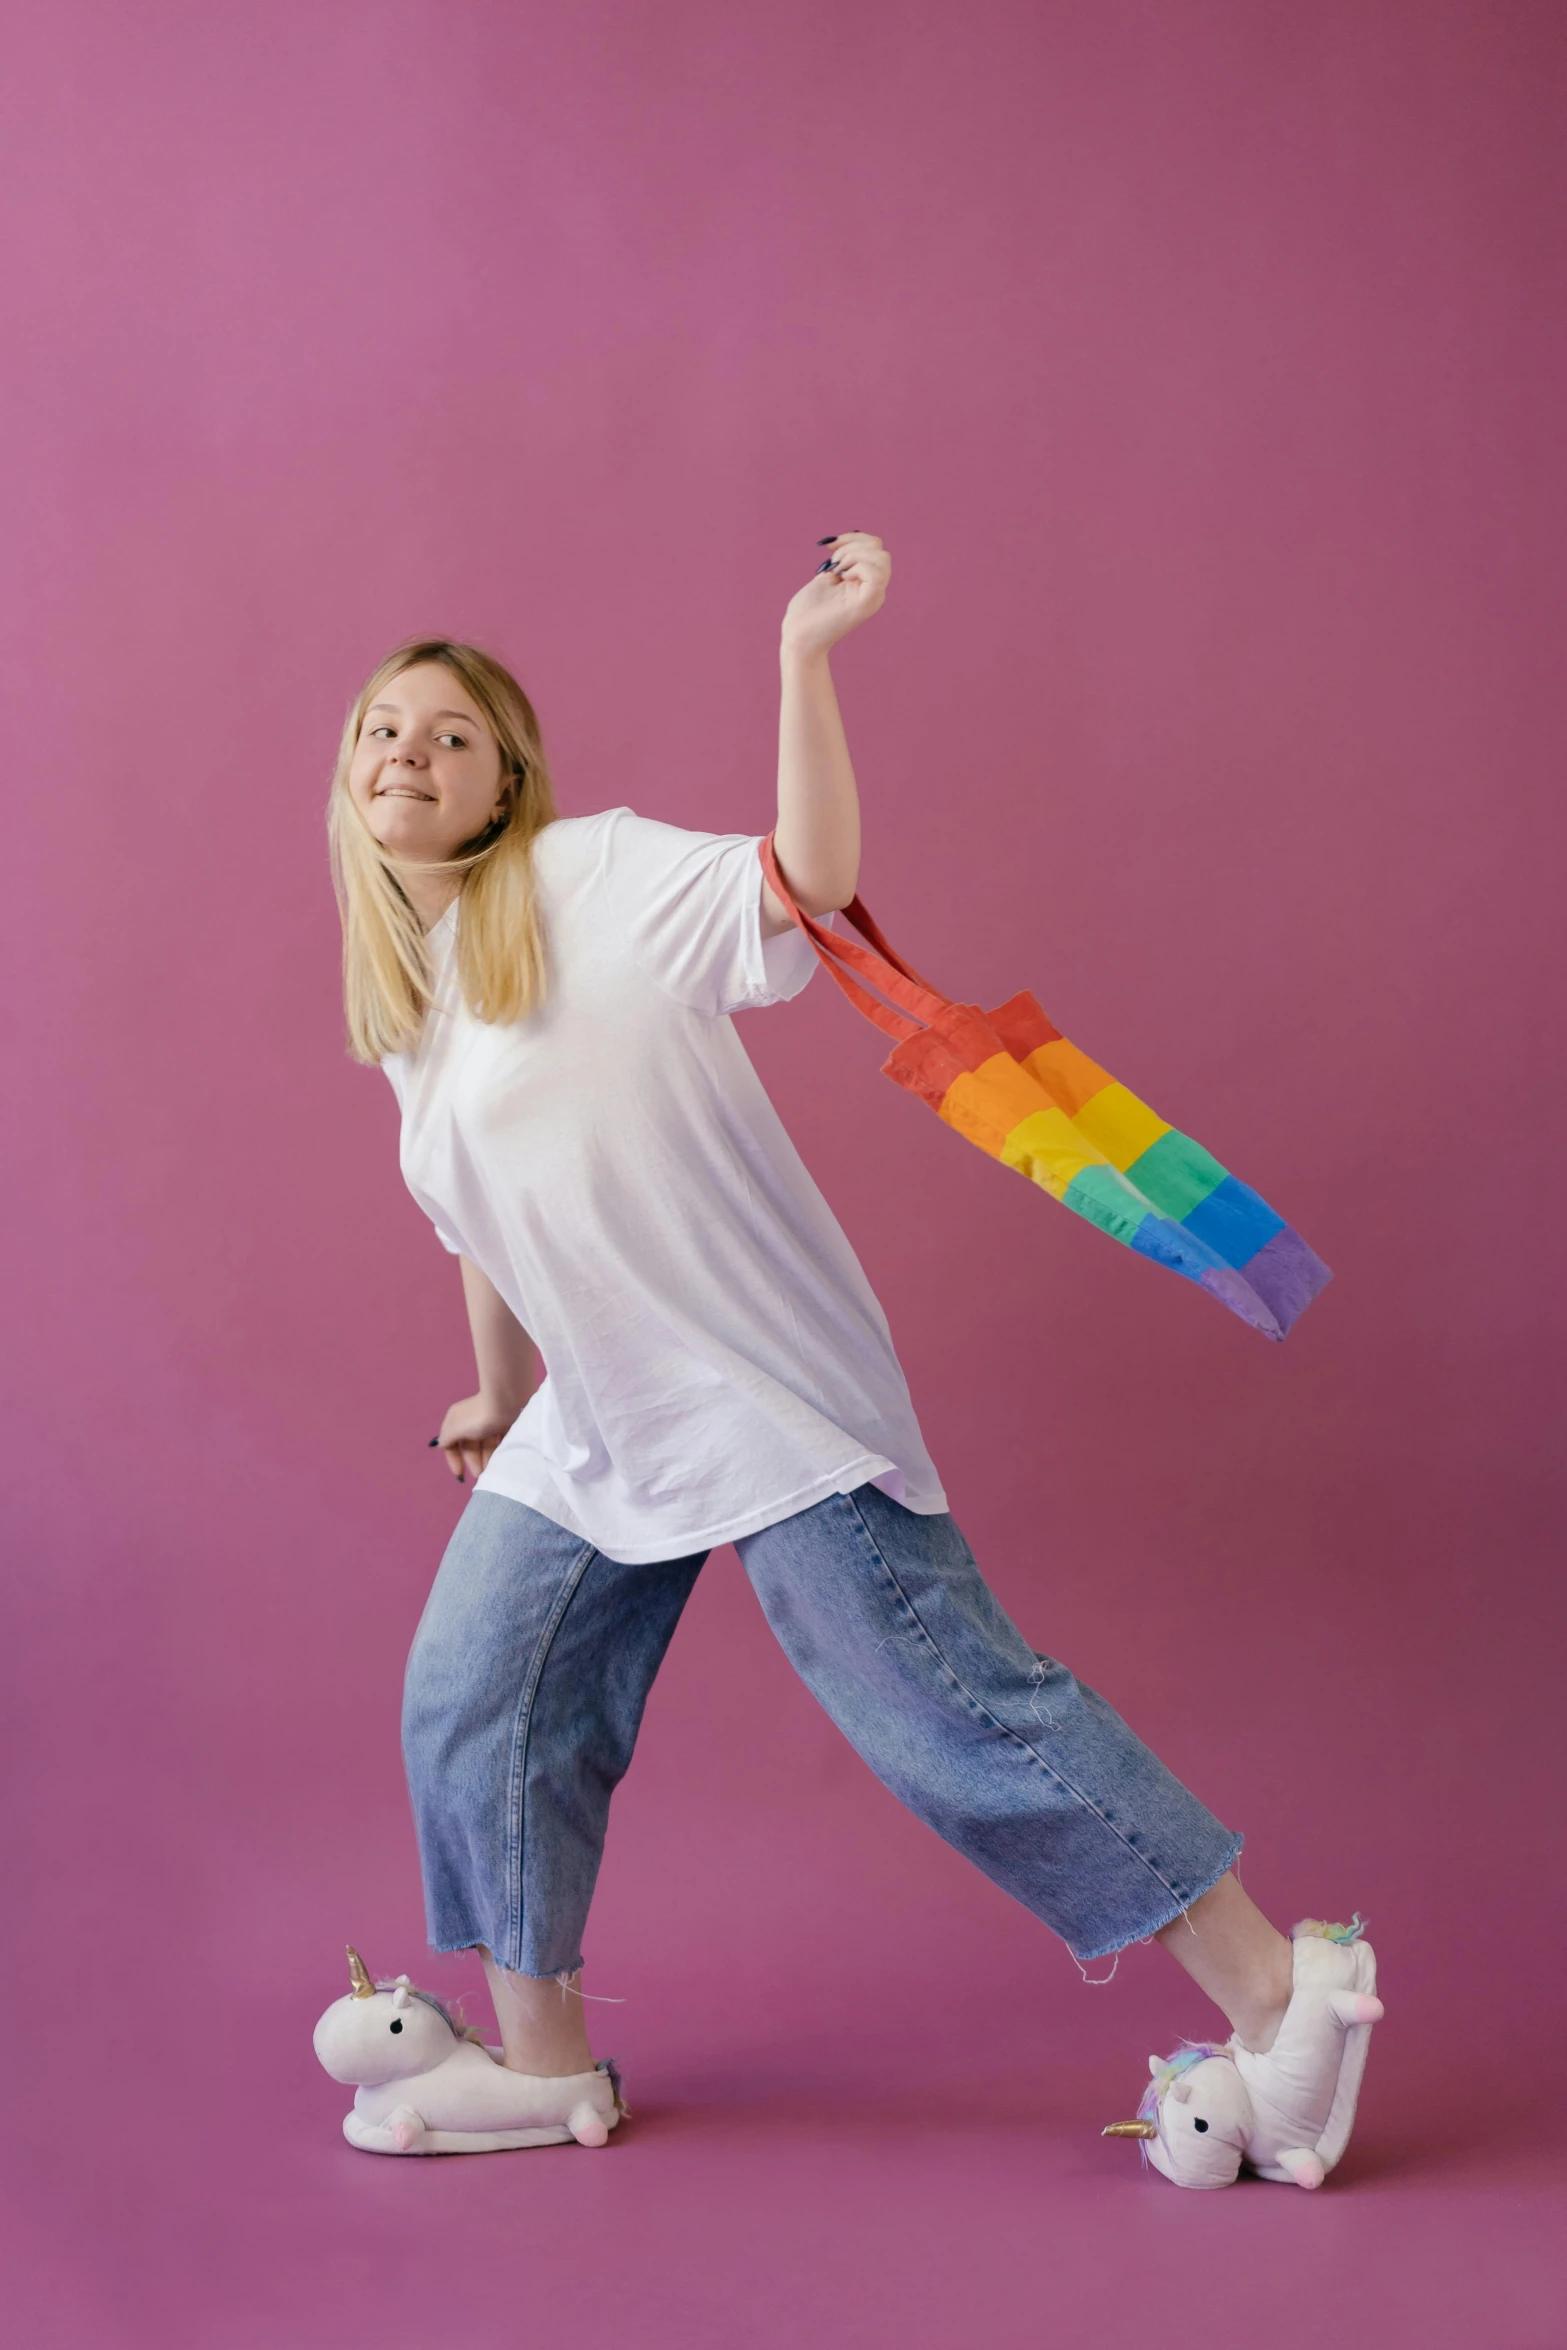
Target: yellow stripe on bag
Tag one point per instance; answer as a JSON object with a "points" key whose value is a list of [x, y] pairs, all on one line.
{"points": [[1119, 1124], [1048, 1149]]}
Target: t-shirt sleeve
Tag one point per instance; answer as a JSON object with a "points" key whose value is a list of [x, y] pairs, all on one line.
{"points": [[689, 906]]}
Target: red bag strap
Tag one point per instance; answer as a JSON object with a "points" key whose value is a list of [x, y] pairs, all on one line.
{"points": [[880, 963]]}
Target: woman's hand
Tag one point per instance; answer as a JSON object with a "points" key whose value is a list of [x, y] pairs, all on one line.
{"points": [[851, 586], [470, 1432], [507, 1366]]}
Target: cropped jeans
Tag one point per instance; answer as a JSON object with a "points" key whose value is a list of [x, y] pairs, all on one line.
{"points": [[535, 1654]]}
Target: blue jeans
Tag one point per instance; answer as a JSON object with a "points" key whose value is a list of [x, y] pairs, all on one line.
{"points": [[535, 1653]]}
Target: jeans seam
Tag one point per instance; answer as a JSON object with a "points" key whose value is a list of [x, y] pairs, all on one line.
{"points": [[522, 1724], [1112, 1949], [1006, 1728]]}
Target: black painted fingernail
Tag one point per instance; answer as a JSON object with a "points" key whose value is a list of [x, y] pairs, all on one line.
{"points": [[434, 1440], [827, 566], [828, 540]]}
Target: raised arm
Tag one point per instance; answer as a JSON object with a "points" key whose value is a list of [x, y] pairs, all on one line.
{"points": [[507, 1365], [818, 835]]}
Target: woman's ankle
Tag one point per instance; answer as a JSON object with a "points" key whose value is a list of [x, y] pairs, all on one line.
{"points": [[542, 2023], [1255, 2018], [1244, 1964]]}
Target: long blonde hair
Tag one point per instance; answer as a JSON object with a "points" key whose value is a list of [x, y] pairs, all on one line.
{"points": [[387, 974]]}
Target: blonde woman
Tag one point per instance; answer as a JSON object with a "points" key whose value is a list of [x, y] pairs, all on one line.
{"points": [[551, 997]]}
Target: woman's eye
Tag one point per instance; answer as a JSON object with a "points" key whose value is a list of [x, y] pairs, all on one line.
{"points": [[461, 740]]}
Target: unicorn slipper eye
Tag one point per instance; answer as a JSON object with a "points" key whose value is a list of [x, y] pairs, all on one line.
{"points": [[1198, 2123], [396, 2025]]}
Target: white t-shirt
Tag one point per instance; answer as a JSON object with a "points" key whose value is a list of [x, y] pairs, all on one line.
{"points": [[715, 1358]]}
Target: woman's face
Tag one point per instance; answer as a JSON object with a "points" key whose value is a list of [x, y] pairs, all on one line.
{"points": [[426, 770]]}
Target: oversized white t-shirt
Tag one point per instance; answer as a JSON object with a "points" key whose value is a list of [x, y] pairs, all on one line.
{"points": [[715, 1358]]}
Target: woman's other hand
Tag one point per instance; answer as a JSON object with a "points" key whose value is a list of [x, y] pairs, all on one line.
{"points": [[470, 1432], [851, 586], [507, 1368]]}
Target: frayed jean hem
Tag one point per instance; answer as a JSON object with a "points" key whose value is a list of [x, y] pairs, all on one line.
{"points": [[548, 1975], [1164, 1917]]}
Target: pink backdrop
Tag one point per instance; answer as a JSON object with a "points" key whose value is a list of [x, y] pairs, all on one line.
{"points": [[1202, 364]]}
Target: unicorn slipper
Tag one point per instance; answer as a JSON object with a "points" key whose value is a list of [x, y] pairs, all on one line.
{"points": [[1285, 2114], [423, 2085]]}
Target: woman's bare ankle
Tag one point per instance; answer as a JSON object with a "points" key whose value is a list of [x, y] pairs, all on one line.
{"points": [[1245, 1965], [542, 2021], [1256, 2016]]}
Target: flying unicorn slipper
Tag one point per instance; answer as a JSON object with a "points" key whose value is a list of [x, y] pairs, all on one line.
{"points": [[424, 2086], [1211, 2111]]}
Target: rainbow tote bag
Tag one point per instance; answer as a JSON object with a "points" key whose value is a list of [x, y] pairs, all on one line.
{"points": [[1013, 1084]]}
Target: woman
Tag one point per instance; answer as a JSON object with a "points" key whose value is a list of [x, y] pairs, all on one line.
{"points": [[550, 998]]}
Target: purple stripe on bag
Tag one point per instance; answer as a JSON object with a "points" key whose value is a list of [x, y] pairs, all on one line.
{"points": [[1287, 1275]]}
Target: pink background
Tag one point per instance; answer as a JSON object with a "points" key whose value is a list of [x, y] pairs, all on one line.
{"points": [[1202, 365]]}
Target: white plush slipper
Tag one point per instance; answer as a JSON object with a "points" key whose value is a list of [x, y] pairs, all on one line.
{"points": [[1286, 2114], [424, 2085], [581, 2108], [1304, 2088]]}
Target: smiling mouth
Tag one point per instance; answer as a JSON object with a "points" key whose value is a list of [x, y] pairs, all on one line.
{"points": [[402, 791]]}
